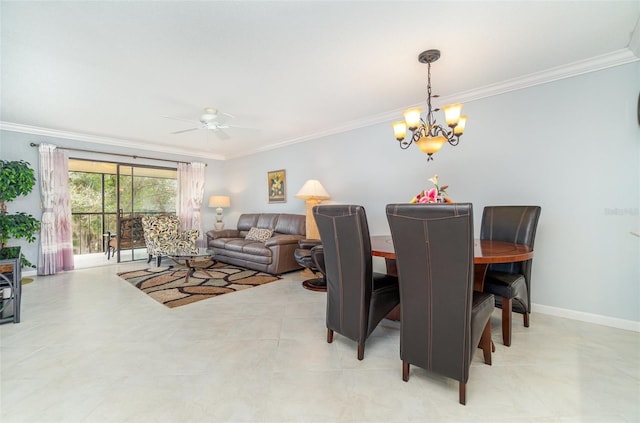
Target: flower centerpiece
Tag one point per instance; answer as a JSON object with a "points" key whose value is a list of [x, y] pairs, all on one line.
{"points": [[434, 195]]}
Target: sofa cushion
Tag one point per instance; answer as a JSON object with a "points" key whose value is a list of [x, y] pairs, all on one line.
{"points": [[291, 224], [267, 220], [259, 234], [247, 221]]}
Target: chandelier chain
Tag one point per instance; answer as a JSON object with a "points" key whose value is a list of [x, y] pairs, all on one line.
{"points": [[430, 120]]}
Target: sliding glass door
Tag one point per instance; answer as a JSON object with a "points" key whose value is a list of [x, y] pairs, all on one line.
{"points": [[141, 191], [108, 202]]}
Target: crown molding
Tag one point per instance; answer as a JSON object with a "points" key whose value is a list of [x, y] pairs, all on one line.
{"points": [[95, 139], [609, 60], [634, 42], [616, 58]]}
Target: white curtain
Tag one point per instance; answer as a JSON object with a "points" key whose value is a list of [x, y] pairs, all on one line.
{"points": [[190, 193], [56, 246]]}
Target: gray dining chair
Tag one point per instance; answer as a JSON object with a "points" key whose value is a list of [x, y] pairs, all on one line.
{"points": [[357, 297], [510, 282], [442, 319]]}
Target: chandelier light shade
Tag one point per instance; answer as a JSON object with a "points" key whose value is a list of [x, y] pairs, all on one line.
{"points": [[427, 134], [219, 201]]}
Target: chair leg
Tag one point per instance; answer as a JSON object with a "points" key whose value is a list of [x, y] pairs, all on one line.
{"points": [[506, 321], [525, 316], [329, 336], [486, 344], [360, 351], [463, 393], [150, 257], [405, 371], [158, 260]]}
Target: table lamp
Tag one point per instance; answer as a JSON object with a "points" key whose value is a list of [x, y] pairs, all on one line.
{"points": [[219, 201], [313, 192]]}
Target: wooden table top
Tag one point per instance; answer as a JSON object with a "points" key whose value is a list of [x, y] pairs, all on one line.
{"points": [[485, 252]]}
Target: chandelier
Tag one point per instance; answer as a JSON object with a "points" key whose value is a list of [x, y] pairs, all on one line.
{"points": [[427, 134]]}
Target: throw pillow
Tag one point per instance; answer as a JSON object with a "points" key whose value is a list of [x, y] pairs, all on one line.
{"points": [[257, 234]]}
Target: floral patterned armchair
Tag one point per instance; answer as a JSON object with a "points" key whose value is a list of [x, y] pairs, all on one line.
{"points": [[163, 237]]}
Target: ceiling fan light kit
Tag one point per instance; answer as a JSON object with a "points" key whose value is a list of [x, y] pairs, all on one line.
{"points": [[209, 115]]}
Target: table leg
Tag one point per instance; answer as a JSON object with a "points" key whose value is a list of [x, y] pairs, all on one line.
{"points": [[191, 270], [479, 272], [392, 269]]}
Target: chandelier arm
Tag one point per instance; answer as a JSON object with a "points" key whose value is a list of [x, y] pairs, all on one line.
{"points": [[452, 138], [415, 136], [440, 130], [404, 144]]}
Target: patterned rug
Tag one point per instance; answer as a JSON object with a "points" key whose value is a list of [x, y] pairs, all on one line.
{"points": [[166, 284]]}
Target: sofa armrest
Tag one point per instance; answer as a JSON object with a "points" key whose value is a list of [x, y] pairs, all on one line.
{"points": [[223, 233], [282, 239]]}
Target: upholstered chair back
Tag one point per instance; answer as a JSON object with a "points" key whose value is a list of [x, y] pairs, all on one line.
{"points": [[434, 255], [163, 237], [357, 298], [512, 224]]}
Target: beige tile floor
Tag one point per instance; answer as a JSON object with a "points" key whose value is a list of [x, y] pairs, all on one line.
{"points": [[92, 348]]}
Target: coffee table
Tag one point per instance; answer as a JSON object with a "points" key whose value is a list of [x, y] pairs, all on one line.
{"points": [[192, 260]]}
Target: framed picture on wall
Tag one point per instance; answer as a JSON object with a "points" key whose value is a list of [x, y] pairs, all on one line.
{"points": [[277, 186]]}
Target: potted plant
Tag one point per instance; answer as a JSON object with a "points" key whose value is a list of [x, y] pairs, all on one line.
{"points": [[16, 179]]}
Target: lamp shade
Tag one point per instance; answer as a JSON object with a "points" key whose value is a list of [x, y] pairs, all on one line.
{"points": [[313, 190], [219, 201]]}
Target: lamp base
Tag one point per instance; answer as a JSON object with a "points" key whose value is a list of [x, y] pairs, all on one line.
{"points": [[311, 227], [219, 225]]}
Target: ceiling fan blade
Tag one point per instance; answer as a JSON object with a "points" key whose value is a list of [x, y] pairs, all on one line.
{"points": [[221, 134], [227, 114], [181, 119], [239, 127], [185, 130]]}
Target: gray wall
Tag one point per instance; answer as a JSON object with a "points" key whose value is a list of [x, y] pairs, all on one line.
{"points": [[571, 146]]}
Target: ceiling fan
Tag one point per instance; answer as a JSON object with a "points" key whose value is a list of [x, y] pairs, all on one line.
{"points": [[211, 119]]}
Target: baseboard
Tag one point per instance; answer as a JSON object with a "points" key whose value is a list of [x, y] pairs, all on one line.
{"points": [[587, 317]]}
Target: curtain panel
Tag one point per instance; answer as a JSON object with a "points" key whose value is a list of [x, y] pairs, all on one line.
{"points": [[56, 246], [190, 194]]}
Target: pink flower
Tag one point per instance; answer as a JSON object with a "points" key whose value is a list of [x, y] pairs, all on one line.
{"points": [[430, 196]]}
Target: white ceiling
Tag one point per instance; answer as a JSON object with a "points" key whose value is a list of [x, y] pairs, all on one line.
{"points": [[108, 71]]}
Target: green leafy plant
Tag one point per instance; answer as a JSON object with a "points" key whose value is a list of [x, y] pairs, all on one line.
{"points": [[16, 179]]}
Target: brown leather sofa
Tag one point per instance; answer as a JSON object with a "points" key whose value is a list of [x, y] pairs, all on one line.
{"points": [[274, 256]]}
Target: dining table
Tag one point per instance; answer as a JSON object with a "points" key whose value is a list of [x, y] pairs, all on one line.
{"points": [[485, 253]]}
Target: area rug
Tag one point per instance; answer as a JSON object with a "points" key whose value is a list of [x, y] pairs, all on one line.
{"points": [[210, 279]]}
